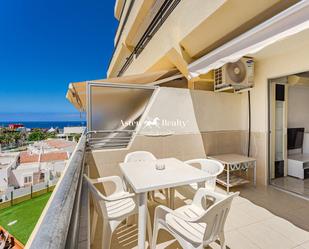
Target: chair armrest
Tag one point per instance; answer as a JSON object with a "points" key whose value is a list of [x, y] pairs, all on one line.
{"points": [[162, 211], [115, 179], [203, 192], [115, 198]]}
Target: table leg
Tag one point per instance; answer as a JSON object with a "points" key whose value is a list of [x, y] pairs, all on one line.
{"points": [[172, 198], [228, 179], [142, 219]]}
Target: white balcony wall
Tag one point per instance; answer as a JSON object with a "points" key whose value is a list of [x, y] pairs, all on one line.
{"points": [[201, 112]]}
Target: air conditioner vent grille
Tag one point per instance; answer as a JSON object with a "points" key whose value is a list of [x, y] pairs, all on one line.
{"points": [[218, 76]]}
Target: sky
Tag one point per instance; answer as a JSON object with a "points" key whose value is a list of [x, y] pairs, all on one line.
{"points": [[45, 45]]}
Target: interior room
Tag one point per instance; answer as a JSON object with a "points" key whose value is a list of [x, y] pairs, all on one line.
{"points": [[289, 133]]}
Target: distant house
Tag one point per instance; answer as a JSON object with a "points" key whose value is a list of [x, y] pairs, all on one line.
{"points": [[43, 161], [71, 131], [36, 168], [8, 161], [52, 129], [15, 126]]}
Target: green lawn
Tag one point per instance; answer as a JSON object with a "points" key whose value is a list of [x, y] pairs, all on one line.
{"points": [[26, 213]]}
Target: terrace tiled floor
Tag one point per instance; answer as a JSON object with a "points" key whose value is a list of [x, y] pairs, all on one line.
{"points": [[280, 203], [249, 224], [293, 184]]}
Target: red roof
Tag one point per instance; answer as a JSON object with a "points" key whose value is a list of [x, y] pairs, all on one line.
{"points": [[54, 156], [15, 126], [26, 157], [59, 143]]}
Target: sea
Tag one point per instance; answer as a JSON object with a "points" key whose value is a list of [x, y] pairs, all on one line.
{"points": [[45, 124]]}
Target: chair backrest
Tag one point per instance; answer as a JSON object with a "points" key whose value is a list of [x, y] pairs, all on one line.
{"points": [[212, 167], [138, 156], [215, 217], [98, 199]]}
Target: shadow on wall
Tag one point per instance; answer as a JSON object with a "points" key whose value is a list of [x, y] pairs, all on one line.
{"points": [[214, 123], [168, 128]]}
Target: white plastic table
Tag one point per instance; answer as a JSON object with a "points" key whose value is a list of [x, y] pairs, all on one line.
{"points": [[144, 177]]}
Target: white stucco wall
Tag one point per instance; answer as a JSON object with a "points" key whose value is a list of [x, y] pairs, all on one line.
{"points": [[184, 111], [173, 110], [5, 171], [3, 179], [283, 58], [27, 169], [70, 130], [220, 111], [286, 57]]}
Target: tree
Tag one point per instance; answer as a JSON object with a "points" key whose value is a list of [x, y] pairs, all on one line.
{"points": [[36, 135], [2, 138], [16, 137], [50, 135], [76, 136]]}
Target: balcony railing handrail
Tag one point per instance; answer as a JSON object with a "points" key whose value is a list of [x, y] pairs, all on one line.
{"points": [[109, 131], [109, 138], [52, 230]]}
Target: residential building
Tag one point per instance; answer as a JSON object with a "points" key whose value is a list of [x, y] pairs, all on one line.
{"points": [[191, 79], [8, 162], [37, 168], [42, 162], [15, 126], [183, 44], [71, 132]]}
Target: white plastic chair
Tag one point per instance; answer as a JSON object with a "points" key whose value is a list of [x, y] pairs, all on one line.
{"points": [[192, 225], [113, 208], [141, 156], [212, 167]]}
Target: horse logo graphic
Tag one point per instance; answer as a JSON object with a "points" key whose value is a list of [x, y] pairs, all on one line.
{"points": [[154, 122]]}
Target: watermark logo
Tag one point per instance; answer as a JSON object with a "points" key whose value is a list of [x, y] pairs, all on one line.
{"points": [[152, 123], [156, 123]]}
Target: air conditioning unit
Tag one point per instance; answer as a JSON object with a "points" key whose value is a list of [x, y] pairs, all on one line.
{"points": [[237, 76]]}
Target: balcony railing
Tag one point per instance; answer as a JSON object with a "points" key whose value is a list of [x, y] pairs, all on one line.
{"points": [[109, 139], [60, 223]]}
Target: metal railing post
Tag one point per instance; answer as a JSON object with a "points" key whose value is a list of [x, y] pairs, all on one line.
{"points": [[12, 196]]}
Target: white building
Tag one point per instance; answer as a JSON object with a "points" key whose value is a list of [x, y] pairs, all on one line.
{"points": [[71, 131], [33, 172], [8, 162], [44, 161]]}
